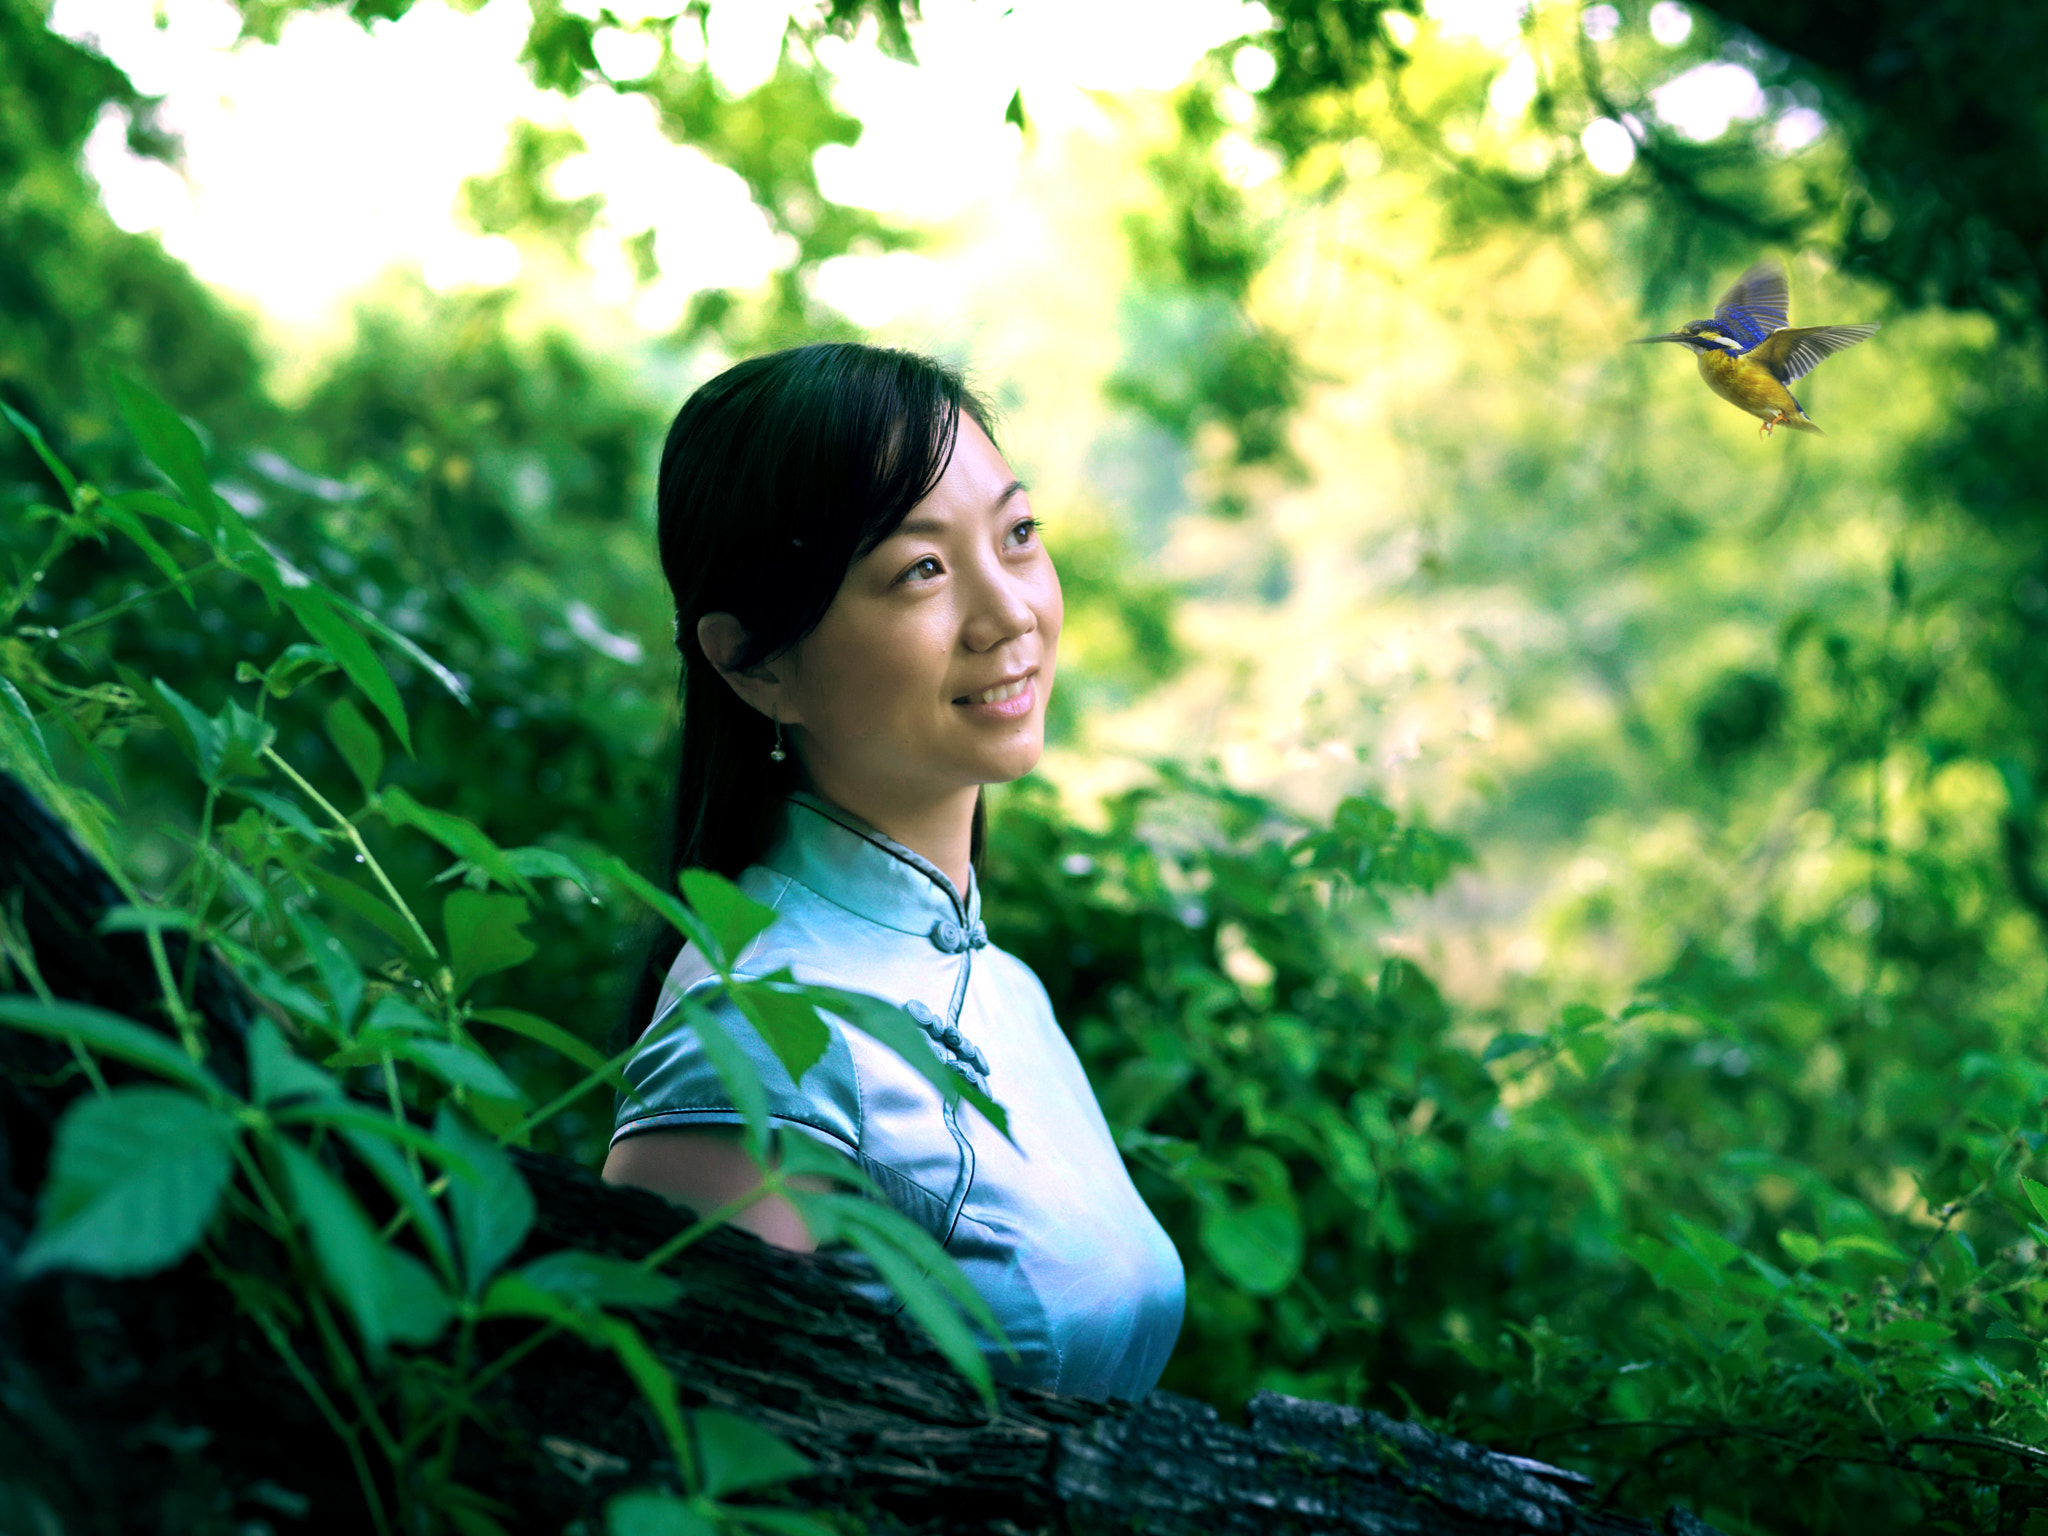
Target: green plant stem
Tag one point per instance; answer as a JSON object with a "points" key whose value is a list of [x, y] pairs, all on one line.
{"points": [[594, 1078], [16, 952], [348, 829], [107, 615], [654, 1258], [202, 892], [310, 1385], [343, 1359], [465, 1360], [59, 542], [389, 1068]]}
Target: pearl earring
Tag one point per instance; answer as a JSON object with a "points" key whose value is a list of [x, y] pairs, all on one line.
{"points": [[775, 753]]}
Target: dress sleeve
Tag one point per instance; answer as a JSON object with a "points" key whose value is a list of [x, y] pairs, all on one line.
{"points": [[672, 1084]]}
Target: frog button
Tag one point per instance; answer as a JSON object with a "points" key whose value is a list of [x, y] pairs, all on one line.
{"points": [[947, 937]]}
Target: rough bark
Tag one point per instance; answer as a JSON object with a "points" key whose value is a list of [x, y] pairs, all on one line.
{"points": [[152, 1406]]}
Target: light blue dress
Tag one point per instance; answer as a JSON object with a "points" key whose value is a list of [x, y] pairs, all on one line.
{"points": [[1085, 1283]]}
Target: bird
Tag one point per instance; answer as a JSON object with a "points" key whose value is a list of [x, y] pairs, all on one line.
{"points": [[1748, 353]]}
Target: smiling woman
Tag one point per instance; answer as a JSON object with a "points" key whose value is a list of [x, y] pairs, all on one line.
{"points": [[868, 624]]}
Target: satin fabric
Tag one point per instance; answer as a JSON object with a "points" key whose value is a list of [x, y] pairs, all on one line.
{"points": [[1086, 1285]]}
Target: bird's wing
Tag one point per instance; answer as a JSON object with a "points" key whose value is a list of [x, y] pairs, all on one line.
{"points": [[1794, 352], [1758, 304]]}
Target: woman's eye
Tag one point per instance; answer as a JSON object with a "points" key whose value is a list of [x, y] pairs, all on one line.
{"points": [[923, 570], [1024, 532]]}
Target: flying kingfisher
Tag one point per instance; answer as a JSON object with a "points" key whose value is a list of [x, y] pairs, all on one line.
{"points": [[1749, 354]]}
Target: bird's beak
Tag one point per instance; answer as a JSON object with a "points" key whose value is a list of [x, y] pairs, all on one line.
{"points": [[1672, 336]]}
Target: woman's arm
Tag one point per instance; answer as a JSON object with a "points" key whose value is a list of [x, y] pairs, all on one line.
{"points": [[704, 1170]]}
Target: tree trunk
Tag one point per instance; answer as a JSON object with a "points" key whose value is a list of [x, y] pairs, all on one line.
{"points": [[154, 1405]]}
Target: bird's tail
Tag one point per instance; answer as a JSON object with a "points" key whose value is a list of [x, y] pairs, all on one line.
{"points": [[1801, 422]]}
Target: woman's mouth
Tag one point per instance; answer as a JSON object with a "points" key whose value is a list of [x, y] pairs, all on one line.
{"points": [[1004, 701]]}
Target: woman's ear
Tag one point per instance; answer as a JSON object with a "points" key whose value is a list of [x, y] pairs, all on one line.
{"points": [[763, 686]]}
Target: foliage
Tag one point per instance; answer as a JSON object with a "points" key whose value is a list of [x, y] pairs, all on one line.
{"points": [[366, 1078]]}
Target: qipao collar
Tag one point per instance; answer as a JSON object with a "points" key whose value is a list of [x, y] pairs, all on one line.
{"points": [[871, 875]]}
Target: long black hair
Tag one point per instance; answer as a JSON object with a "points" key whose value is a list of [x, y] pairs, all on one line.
{"points": [[777, 476]]}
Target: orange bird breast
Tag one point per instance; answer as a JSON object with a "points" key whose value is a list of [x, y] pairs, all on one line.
{"points": [[1742, 381]]}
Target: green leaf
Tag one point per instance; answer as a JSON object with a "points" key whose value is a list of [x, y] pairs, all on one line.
{"points": [[459, 1066], [416, 1307], [1588, 1051], [122, 918], [2037, 1195], [243, 739], [155, 504], [1914, 1330], [547, 864], [513, 1295], [382, 1158], [1857, 1242], [735, 1454], [375, 910], [483, 935], [1710, 1248], [733, 917], [2001, 1329], [388, 1292], [195, 732], [316, 611], [357, 742], [170, 444], [460, 837], [296, 665], [667, 907], [345, 1116], [131, 528], [736, 1071], [493, 1207], [135, 1179], [23, 737], [220, 746], [901, 1033], [1509, 1043], [110, 1035], [398, 640], [651, 1512], [1803, 1249], [335, 966], [343, 1242], [590, 1280], [555, 1038], [654, 1380], [278, 1073], [42, 449], [284, 810], [1257, 1247], [923, 1275], [787, 1021]]}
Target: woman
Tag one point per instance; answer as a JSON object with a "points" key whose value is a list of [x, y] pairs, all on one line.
{"points": [[868, 625]]}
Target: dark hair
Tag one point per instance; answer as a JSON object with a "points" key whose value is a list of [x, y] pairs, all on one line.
{"points": [[777, 476]]}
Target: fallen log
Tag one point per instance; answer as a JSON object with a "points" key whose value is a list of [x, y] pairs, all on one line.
{"points": [[154, 1405]]}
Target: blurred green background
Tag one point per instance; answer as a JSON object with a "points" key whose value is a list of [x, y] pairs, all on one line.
{"points": [[1548, 884]]}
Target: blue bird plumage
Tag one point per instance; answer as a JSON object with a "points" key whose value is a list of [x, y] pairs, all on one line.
{"points": [[1749, 352]]}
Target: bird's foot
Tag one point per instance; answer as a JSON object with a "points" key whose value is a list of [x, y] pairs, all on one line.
{"points": [[1770, 422]]}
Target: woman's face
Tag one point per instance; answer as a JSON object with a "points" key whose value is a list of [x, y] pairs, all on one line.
{"points": [[929, 674]]}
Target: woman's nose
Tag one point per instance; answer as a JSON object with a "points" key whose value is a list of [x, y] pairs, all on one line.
{"points": [[999, 609]]}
